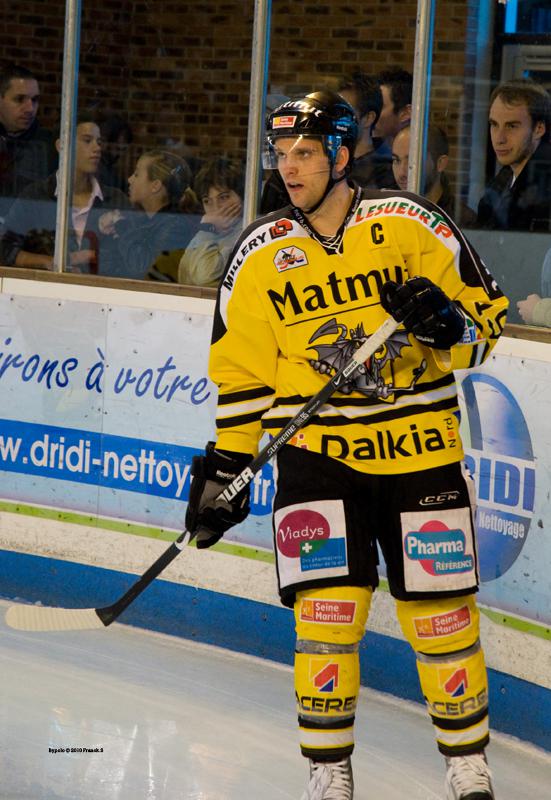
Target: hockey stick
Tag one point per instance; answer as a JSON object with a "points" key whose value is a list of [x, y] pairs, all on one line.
{"points": [[45, 618]]}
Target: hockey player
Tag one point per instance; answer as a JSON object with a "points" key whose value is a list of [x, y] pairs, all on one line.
{"points": [[382, 461]]}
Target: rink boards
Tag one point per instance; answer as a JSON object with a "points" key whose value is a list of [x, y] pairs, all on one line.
{"points": [[105, 401]]}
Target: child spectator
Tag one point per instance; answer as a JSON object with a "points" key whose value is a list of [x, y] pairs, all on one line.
{"points": [[219, 184], [536, 309], [155, 189]]}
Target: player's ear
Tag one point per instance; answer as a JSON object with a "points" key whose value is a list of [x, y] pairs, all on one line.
{"points": [[367, 120], [442, 163], [342, 159], [404, 115], [539, 129], [156, 186]]}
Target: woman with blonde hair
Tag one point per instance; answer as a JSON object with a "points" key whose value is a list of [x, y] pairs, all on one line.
{"points": [[156, 189]]}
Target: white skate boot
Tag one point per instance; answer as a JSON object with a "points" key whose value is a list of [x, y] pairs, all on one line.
{"points": [[330, 781], [468, 778]]}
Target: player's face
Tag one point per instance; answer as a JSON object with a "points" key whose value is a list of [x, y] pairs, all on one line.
{"points": [[140, 186], [304, 167], [88, 148], [19, 104], [514, 135]]}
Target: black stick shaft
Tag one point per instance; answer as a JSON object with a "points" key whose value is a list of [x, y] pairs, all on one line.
{"points": [[109, 613]]}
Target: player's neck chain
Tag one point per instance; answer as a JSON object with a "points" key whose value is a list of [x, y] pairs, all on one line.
{"points": [[331, 244]]}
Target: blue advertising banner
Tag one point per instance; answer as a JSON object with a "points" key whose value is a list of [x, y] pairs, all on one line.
{"points": [[103, 409], [506, 434]]}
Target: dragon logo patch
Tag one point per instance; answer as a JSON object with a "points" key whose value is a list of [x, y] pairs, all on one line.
{"points": [[367, 379]]}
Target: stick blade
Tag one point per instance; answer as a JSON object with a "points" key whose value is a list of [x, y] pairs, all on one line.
{"points": [[46, 618]]}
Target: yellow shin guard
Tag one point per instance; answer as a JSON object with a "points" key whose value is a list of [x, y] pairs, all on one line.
{"points": [[330, 623], [445, 636]]}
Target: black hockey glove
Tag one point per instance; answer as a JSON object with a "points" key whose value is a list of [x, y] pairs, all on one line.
{"points": [[207, 519], [425, 311]]}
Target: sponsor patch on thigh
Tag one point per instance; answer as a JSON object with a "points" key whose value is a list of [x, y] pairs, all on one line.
{"points": [[445, 624], [438, 549], [327, 612], [310, 541]]}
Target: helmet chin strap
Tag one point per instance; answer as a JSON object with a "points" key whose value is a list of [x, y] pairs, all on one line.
{"points": [[330, 184]]}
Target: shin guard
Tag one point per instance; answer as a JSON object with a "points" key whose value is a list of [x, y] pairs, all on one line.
{"points": [[330, 623], [445, 636]]}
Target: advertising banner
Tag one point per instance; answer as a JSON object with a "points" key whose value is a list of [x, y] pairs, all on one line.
{"points": [[103, 408], [506, 433]]}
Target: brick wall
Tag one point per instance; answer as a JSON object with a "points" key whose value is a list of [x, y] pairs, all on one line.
{"points": [[180, 70]]}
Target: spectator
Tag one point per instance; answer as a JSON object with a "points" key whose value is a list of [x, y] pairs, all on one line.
{"points": [[29, 231], [536, 309], [435, 185], [156, 187], [519, 197], [396, 87], [116, 137], [219, 184], [372, 167], [27, 150]]}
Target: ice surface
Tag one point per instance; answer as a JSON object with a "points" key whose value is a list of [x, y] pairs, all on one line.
{"points": [[167, 719]]}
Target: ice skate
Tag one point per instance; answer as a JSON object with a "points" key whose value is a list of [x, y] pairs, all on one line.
{"points": [[330, 781], [468, 778]]}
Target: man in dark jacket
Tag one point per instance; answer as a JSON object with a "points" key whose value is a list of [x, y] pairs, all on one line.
{"points": [[28, 233], [519, 197], [27, 150], [435, 182], [372, 165]]}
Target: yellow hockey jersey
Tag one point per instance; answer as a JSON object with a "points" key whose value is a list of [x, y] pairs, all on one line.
{"points": [[293, 306]]}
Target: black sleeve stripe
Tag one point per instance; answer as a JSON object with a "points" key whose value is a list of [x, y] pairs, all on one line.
{"points": [[242, 419], [478, 354], [501, 320], [450, 404], [247, 394], [421, 388]]}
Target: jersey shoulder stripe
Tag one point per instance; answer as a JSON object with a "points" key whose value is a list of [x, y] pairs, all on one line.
{"points": [[260, 234], [408, 205]]}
